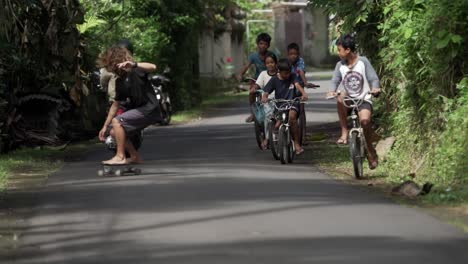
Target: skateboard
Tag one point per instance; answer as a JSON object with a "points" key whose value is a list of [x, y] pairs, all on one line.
{"points": [[118, 170]]}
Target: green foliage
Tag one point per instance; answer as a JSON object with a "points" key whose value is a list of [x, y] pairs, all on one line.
{"points": [[424, 57], [450, 164], [419, 49], [164, 32], [362, 17], [259, 23], [39, 162], [40, 53]]}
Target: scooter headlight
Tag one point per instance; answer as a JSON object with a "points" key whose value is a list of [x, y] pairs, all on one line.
{"points": [[110, 142], [158, 96]]}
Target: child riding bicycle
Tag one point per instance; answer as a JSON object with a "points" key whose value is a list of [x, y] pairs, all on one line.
{"points": [[258, 60], [271, 62], [358, 78], [285, 84]]}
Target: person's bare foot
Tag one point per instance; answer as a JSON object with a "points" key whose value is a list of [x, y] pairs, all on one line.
{"points": [[342, 141], [299, 150], [373, 160], [249, 119], [135, 160], [265, 144], [116, 160]]}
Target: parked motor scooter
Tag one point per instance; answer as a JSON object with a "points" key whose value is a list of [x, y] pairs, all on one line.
{"points": [[160, 85]]}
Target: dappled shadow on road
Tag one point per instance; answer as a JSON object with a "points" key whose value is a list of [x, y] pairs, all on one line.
{"points": [[197, 183], [217, 194], [194, 188], [336, 249], [214, 188]]}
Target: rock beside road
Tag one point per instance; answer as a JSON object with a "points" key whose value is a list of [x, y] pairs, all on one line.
{"points": [[384, 146]]}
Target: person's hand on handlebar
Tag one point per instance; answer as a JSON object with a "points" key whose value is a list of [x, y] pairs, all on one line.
{"points": [[304, 97], [375, 92], [332, 95], [311, 85]]}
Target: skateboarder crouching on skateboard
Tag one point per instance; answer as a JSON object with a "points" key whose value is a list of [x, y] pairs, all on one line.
{"points": [[132, 86]]}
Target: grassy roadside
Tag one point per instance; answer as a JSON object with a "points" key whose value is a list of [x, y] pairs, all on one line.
{"points": [[450, 206], [21, 172], [219, 99], [36, 163]]}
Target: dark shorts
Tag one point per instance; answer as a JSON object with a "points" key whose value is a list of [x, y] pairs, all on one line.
{"points": [[365, 105], [134, 120], [295, 107]]}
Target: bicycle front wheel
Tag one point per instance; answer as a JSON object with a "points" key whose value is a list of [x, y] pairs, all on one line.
{"points": [[259, 134], [283, 145], [273, 139], [302, 126], [355, 151], [291, 152]]}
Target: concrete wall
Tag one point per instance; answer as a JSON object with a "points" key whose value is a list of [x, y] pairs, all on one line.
{"points": [[307, 27], [213, 61], [319, 42], [214, 54]]}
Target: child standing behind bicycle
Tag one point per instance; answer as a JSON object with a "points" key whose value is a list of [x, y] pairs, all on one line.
{"points": [[258, 60], [297, 64], [284, 85]]}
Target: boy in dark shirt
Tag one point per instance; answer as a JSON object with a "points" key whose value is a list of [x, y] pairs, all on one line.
{"points": [[284, 85], [298, 64]]}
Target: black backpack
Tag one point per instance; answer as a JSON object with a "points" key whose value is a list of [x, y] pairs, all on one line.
{"points": [[136, 87]]}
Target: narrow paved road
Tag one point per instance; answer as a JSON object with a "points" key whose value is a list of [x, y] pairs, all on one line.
{"points": [[208, 195]]}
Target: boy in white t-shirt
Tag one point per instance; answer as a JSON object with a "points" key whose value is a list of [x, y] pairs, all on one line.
{"points": [[358, 78], [270, 61]]}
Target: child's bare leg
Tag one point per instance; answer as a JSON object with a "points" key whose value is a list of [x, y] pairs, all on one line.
{"points": [[120, 138], [278, 124], [365, 118], [295, 130], [342, 115], [252, 90], [135, 157]]}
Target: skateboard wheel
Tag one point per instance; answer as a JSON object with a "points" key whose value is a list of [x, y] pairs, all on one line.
{"points": [[137, 171], [118, 173], [100, 173]]}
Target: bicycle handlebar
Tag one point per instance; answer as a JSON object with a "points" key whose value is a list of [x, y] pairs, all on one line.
{"points": [[249, 79], [312, 85], [338, 93], [287, 103]]}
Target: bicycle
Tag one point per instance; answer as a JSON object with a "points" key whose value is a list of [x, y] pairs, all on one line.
{"points": [[302, 122], [281, 142], [356, 138], [259, 116]]}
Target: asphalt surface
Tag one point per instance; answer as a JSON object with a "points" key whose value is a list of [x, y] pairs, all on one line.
{"points": [[208, 195]]}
